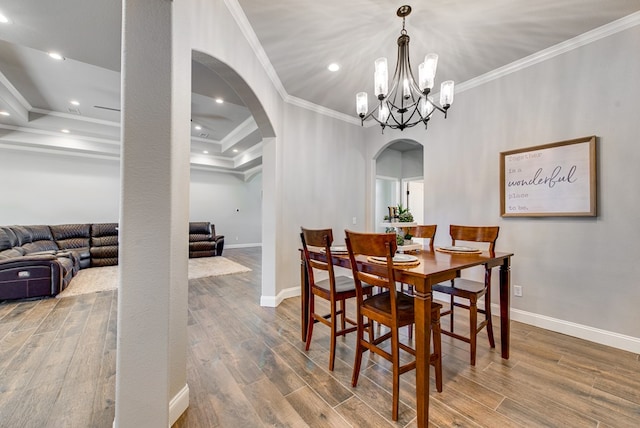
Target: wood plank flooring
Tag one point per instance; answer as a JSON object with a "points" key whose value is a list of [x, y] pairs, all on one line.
{"points": [[247, 368]]}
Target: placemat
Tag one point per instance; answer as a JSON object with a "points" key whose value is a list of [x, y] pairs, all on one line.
{"points": [[451, 251], [396, 264]]}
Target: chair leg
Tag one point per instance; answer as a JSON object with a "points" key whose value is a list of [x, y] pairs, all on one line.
{"points": [[437, 348], [334, 324], [473, 328], [359, 349], [451, 301], [487, 308], [312, 304], [395, 353], [343, 315]]}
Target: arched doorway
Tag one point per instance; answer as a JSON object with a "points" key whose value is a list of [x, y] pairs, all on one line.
{"points": [[221, 73], [399, 179]]}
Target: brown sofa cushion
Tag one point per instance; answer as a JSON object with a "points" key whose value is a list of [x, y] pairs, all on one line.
{"points": [[40, 233], [10, 236], [104, 229], [11, 253], [199, 231], [5, 239], [23, 235], [42, 240], [69, 236]]}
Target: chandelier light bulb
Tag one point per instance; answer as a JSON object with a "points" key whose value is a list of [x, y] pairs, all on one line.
{"points": [[383, 113], [406, 91], [362, 103], [381, 77], [446, 94], [427, 72]]}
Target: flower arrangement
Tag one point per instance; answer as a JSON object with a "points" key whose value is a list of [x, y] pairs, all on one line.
{"points": [[400, 214]]}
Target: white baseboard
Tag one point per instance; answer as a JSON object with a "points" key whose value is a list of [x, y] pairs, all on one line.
{"points": [[273, 301], [255, 244], [603, 337], [178, 404]]}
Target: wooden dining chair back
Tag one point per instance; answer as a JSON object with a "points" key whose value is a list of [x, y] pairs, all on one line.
{"points": [[335, 289], [391, 308], [471, 290], [424, 231]]}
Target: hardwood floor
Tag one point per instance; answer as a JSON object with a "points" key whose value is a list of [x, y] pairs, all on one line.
{"points": [[247, 368]]}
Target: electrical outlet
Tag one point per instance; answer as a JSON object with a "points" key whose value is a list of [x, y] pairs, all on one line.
{"points": [[517, 290], [354, 220]]}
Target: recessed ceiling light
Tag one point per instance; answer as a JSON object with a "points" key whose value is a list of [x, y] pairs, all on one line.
{"points": [[333, 67], [74, 102], [235, 150], [4, 19], [219, 100], [66, 131], [198, 127], [206, 152], [5, 113], [56, 56]]}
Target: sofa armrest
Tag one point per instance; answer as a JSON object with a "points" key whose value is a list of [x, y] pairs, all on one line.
{"points": [[31, 259], [30, 276], [219, 240]]}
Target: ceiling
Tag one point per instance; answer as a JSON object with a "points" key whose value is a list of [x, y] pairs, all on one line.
{"points": [[300, 38]]}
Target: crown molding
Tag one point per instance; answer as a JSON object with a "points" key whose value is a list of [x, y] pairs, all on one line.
{"points": [[250, 173], [74, 117], [321, 110], [241, 19], [59, 134], [240, 132], [594, 35]]}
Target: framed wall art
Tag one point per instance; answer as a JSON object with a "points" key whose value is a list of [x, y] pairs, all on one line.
{"points": [[557, 179]]}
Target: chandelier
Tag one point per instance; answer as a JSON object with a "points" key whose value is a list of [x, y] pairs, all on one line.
{"points": [[407, 103]]}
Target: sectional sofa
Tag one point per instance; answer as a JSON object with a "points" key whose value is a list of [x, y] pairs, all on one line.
{"points": [[41, 260]]}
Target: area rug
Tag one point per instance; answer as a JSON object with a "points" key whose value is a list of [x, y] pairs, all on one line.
{"points": [[106, 278]]}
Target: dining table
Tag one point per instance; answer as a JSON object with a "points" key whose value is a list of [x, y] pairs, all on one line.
{"points": [[434, 266]]}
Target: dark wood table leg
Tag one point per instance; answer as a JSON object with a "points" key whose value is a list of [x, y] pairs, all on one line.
{"points": [[422, 335], [304, 298], [505, 313]]}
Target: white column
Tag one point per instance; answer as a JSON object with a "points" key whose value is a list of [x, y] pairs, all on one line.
{"points": [[152, 296], [270, 221]]}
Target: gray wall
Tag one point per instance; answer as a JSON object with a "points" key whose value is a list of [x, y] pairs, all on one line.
{"points": [[392, 163], [580, 275]]}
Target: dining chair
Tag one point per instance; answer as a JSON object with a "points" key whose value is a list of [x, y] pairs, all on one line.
{"points": [[471, 290], [335, 289], [391, 308], [424, 231]]}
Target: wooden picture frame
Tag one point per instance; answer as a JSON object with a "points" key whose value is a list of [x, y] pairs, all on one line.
{"points": [[551, 180]]}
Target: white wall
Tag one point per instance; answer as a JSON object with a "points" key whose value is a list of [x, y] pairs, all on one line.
{"points": [[45, 188], [581, 271], [233, 205]]}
